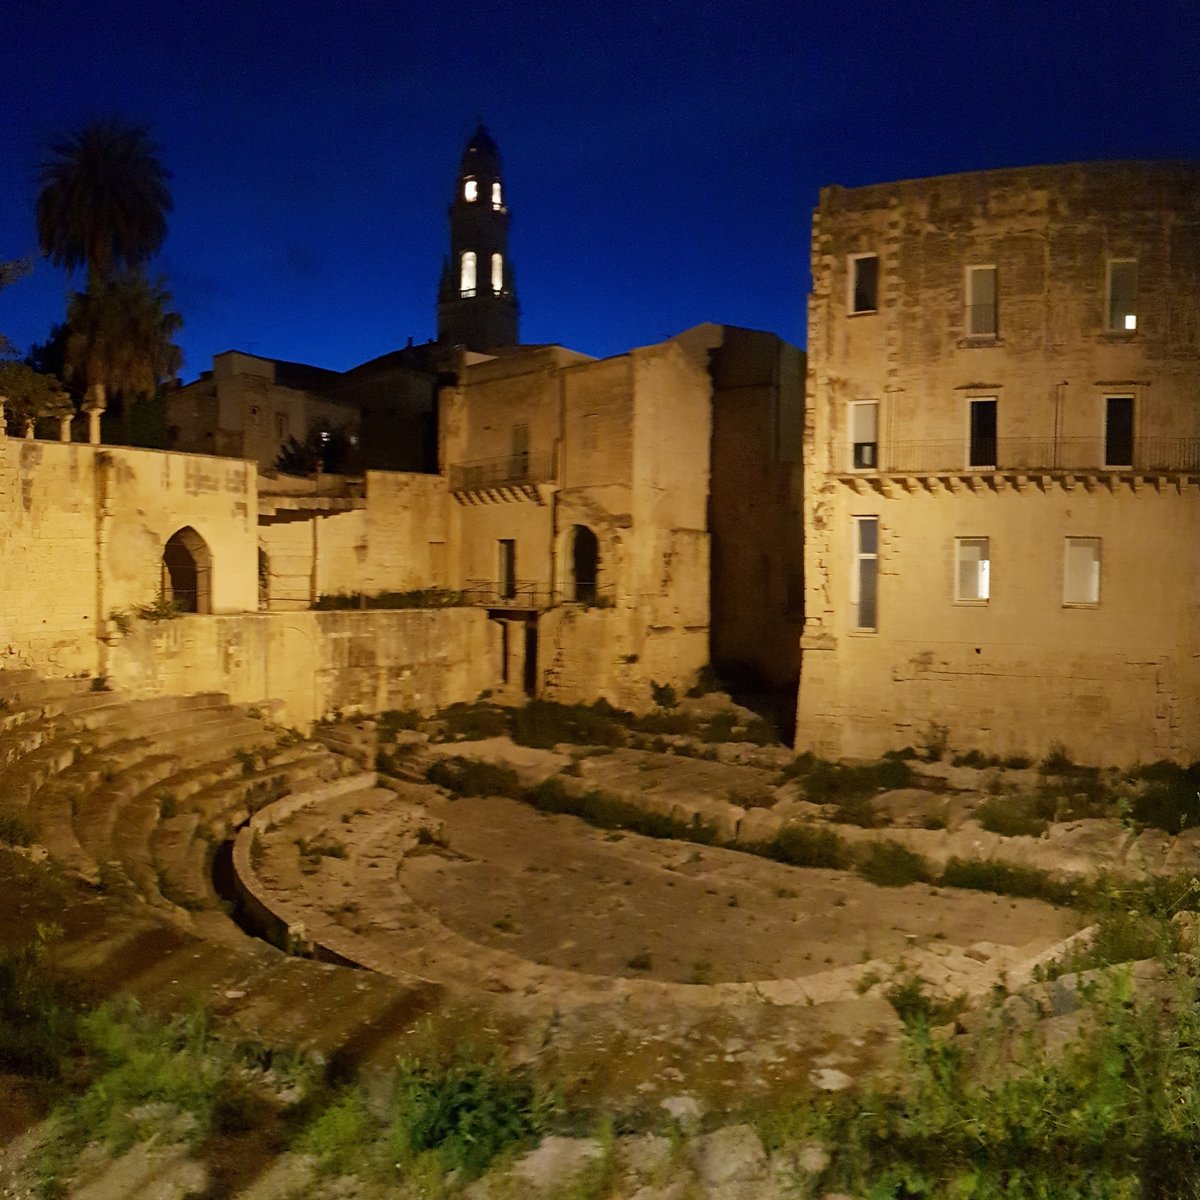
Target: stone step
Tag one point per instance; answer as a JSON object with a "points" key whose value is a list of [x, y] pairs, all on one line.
{"points": [[21, 688]]}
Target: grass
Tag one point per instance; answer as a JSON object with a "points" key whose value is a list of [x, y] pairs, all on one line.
{"points": [[390, 722], [1013, 816], [847, 785], [472, 777], [914, 1005], [1005, 879], [807, 846], [612, 812], [889, 864], [17, 829]]}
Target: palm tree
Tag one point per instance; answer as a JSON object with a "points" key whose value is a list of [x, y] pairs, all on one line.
{"points": [[103, 199], [121, 341]]}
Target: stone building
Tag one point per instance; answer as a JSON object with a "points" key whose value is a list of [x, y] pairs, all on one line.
{"points": [[1002, 464]]}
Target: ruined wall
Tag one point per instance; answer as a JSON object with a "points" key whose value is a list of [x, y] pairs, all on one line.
{"points": [[84, 531], [316, 662], [1115, 680]]}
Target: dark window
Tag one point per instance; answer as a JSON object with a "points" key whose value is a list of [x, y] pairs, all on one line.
{"points": [[585, 561], [507, 567], [864, 293], [1118, 431], [982, 450]]}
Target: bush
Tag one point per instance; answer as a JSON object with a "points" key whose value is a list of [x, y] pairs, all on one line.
{"points": [[16, 829], [390, 723], [1004, 879], [663, 695], [889, 864], [474, 722], [706, 681], [1171, 798], [471, 777], [807, 846], [1012, 816], [1057, 761], [913, 1006], [611, 812], [544, 724], [836, 783]]}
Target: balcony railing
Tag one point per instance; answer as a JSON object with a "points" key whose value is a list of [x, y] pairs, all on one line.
{"points": [[1153, 454], [527, 594], [513, 470]]}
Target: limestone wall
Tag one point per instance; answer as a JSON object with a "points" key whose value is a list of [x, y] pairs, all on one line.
{"points": [[316, 662], [1114, 680], [84, 531]]}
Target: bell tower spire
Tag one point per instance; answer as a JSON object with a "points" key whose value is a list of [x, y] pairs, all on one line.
{"points": [[477, 299]]}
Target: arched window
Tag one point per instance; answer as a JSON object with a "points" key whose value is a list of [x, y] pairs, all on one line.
{"points": [[187, 572], [467, 276], [585, 563], [497, 273], [496, 201], [470, 191]]}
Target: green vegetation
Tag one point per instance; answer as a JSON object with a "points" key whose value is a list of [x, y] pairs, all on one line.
{"points": [[416, 598], [471, 777], [1013, 816], [611, 812], [985, 875], [389, 723], [806, 846], [889, 864], [846, 786], [663, 695], [1170, 796], [17, 829], [915, 1007]]}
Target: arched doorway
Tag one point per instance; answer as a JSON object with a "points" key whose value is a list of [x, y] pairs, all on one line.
{"points": [[187, 572], [585, 564]]}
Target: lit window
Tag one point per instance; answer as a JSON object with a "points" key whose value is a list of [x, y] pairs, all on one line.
{"points": [[866, 568], [466, 283], [972, 570], [864, 283], [981, 432], [864, 435], [470, 191], [497, 273], [981, 301], [496, 201], [1081, 571], [1122, 295]]}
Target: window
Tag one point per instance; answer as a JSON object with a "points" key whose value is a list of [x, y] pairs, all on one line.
{"points": [[497, 273], [981, 436], [466, 283], [470, 190], [864, 283], [864, 434], [972, 570], [1081, 571], [1118, 431], [866, 564], [1122, 295], [981, 301], [496, 200]]}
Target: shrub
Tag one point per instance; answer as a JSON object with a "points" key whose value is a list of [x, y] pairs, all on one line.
{"points": [[663, 695], [1171, 798], [474, 722], [544, 724], [981, 875], [390, 723], [1011, 816], [807, 846], [706, 681], [836, 783], [889, 864], [1057, 761], [914, 1006], [471, 777], [16, 829], [611, 812]]}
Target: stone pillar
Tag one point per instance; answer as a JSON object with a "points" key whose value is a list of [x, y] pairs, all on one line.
{"points": [[29, 429], [64, 427], [94, 406]]}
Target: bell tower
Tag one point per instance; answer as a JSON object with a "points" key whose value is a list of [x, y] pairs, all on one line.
{"points": [[477, 298]]}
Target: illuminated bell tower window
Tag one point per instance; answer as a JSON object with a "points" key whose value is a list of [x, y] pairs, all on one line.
{"points": [[467, 275], [497, 273], [497, 202], [470, 191]]}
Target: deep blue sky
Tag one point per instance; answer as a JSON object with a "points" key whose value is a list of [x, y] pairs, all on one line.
{"points": [[661, 159]]}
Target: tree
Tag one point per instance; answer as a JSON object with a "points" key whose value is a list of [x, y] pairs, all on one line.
{"points": [[327, 448], [120, 342], [10, 272], [103, 200], [30, 398]]}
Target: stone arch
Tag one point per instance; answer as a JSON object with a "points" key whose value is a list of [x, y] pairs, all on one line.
{"points": [[583, 564], [187, 571]]}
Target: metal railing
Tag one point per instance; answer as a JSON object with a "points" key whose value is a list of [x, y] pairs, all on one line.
{"points": [[1037, 454], [525, 593], [526, 467]]}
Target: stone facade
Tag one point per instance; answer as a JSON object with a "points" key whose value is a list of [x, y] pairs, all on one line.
{"points": [[1002, 464]]}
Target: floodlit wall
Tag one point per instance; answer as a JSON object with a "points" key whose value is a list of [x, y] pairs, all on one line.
{"points": [[84, 532], [1012, 310], [316, 662]]}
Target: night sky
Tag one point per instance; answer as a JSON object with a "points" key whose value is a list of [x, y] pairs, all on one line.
{"points": [[661, 159]]}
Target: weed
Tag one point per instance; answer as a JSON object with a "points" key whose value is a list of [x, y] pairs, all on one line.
{"points": [[430, 837], [611, 812], [1170, 797], [913, 1005], [706, 681], [889, 864], [807, 846], [663, 695], [162, 609], [982, 875], [759, 796], [1016, 762], [100, 684], [17, 829], [312, 852], [168, 806], [544, 724], [839, 783], [286, 738], [934, 742], [640, 962], [1015, 816], [702, 973], [1057, 761], [248, 759], [473, 722], [472, 777], [390, 722], [415, 598]]}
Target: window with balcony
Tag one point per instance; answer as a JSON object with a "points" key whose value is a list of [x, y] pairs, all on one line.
{"points": [[864, 435], [1118, 431], [981, 302], [1081, 571], [981, 432], [466, 278], [864, 580], [864, 283], [1122, 295], [972, 570]]}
